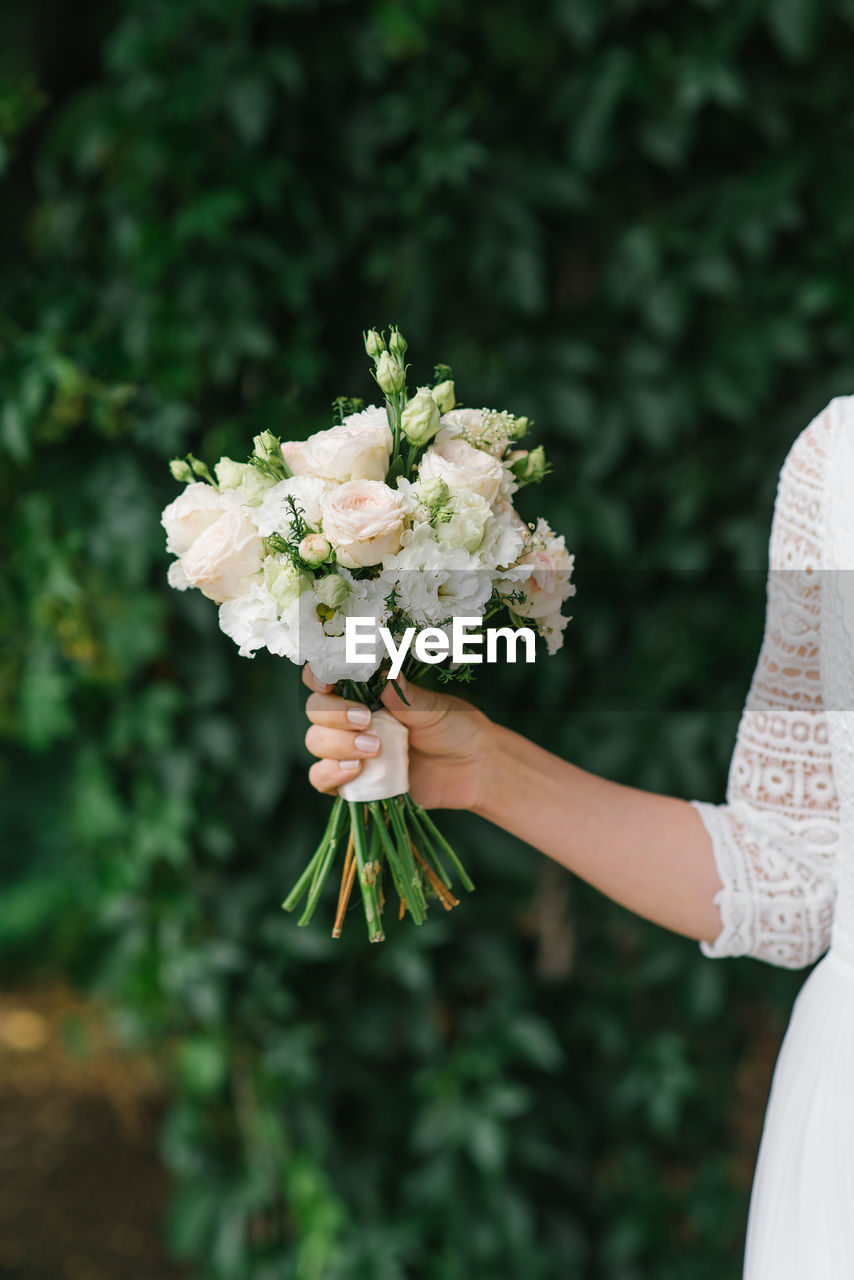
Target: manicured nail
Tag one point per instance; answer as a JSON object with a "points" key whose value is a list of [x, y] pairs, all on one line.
{"points": [[359, 716], [367, 742], [349, 766]]}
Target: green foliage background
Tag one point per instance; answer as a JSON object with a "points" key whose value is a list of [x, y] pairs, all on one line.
{"points": [[633, 221]]}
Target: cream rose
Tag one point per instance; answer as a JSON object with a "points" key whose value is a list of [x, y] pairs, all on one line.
{"points": [[191, 513], [363, 519], [462, 466], [359, 448], [227, 553]]}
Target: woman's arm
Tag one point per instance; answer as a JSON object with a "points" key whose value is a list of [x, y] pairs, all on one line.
{"points": [[650, 853]]}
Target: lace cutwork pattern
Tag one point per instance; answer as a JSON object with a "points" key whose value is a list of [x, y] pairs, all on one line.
{"points": [[775, 840], [838, 659]]}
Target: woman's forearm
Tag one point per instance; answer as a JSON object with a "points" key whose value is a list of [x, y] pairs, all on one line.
{"points": [[648, 852]]}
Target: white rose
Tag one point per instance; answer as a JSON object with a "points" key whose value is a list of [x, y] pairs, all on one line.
{"points": [[462, 466], [224, 555], [191, 513], [363, 519], [359, 448]]}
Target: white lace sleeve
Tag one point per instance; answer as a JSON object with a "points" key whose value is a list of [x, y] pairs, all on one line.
{"points": [[775, 838]]}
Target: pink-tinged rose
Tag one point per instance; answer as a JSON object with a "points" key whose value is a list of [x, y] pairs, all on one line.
{"points": [[190, 514], [462, 466], [359, 448], [549, 583], [363, 519], [224, 556]]}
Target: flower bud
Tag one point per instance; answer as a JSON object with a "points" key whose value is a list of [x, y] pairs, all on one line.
{"points": [[445, 396], [434, 493], [529, 468], [315, 550], [331, 590], [397, 344], [229, 474], [265, 445], [374, 344], [180, 470], [420, 419], [389, 375], [519, 427]]}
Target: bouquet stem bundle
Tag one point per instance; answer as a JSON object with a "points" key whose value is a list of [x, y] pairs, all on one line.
{"points": [[394, 835]]}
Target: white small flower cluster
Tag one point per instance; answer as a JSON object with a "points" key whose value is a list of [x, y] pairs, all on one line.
{"points": [[288, 560]]}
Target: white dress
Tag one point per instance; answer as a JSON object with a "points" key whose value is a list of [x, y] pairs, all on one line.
{"points": [[784, 848]]}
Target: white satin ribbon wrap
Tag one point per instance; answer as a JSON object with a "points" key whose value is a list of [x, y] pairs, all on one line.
{"points": [[387, 773]]}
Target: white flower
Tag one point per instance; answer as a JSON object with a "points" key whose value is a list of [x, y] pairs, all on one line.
{"points": [[462, 466], [548, 584], [284, 581], [224, 555], [463, 521], [191, 513], [274, 514], [487, 429], [359, 448], [433, 583], [247, 618], [363, 520], [176, 577], [331, 590]]}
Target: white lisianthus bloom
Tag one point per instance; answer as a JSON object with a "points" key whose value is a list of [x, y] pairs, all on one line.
{"points": [[332, 590], [227, 553], [191, 513], [359, 448], [363, 519], [433, 583], [303, 636], [463, 521], [462, 466], [504, 538], [284, 581], [247, 618], [274, 514]]}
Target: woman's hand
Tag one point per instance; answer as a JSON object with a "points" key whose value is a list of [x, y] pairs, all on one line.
{"points": [[448, 741]]}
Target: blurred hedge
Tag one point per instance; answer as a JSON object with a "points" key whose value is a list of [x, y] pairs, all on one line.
{"points": [[633, 221]]}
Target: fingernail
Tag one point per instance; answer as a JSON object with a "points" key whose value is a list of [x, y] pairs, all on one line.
{"points": [[359, 716], [368, 742], [349, 766]]}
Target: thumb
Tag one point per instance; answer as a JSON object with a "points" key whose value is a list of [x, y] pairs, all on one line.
{"points": [[424, 706]]}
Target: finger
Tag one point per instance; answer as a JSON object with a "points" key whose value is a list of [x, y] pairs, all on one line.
{"points": [[336, 713], [328, 775], [338, 744], [412, 705], [309, 678]]}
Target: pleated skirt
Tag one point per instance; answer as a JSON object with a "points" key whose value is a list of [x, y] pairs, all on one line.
{"points": [[801, 1218]]}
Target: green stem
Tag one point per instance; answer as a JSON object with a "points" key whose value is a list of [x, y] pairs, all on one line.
{"points": [[436, 834], [324, 866], [404, 848], [314, 862], [367, 879], [428, 848], [403, 883]]}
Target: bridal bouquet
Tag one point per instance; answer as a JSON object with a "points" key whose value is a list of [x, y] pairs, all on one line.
{"points": [[396, 523]]}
